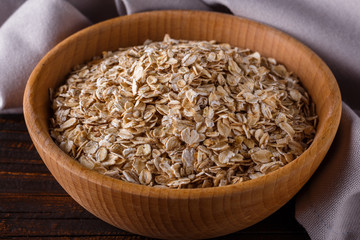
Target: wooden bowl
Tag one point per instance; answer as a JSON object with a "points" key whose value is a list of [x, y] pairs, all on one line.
{"points": [[181, 213]]}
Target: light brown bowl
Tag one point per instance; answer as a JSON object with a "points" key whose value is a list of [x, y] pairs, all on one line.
{"points": [[183, 213]]}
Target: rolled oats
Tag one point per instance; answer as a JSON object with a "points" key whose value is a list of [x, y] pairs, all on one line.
{"points": [[183, 114]]}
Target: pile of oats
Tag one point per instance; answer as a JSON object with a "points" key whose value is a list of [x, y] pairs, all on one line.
{"points": [[183, 114]]}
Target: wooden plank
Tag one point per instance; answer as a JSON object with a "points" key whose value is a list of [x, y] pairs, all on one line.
{"points": [[44, 205], [119, 237], [53, 227], [86, 237], [23, 167], [12, 122], [14, 182], [15, 143]]}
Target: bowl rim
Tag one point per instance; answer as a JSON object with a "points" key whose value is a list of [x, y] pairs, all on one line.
{"points": [[42, 137]]}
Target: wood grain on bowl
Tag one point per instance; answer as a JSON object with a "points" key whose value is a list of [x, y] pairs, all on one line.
{"points": [[184, 213]]}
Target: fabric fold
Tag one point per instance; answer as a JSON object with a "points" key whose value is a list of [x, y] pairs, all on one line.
{"points": [[326, 205], [27, 35], [135, 6]]}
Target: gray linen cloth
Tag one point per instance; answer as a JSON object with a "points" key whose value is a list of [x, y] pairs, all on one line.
{"points": [[32, 30], [329, 205]]}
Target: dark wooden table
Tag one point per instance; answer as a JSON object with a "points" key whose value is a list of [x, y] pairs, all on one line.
{"points": [[34, 206]]}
